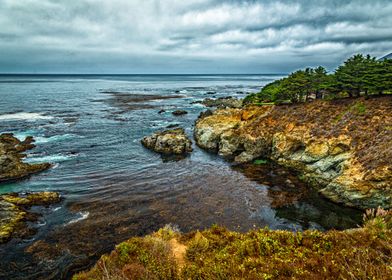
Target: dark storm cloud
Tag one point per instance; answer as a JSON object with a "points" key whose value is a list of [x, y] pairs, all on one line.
{"points": [[161, 36]]}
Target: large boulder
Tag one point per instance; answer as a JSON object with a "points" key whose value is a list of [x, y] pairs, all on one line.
{"points": [[11, 154], [173, 141], [209, 129]]}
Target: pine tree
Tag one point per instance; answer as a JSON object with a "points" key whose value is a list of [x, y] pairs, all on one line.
{"points": [[350, 75]]}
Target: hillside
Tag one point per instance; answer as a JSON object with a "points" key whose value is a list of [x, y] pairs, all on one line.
{"points": [[216, 253]]}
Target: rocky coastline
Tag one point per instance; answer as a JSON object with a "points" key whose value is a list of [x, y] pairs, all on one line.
{"points": [[15, 208], [342, 148], [15, 213], [11, 155]]}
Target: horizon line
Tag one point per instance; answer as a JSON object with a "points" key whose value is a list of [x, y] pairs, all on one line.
{"points": [[134, 74]]}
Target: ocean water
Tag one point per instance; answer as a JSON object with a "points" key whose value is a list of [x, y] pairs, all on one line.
{"points": [[90, 128]]}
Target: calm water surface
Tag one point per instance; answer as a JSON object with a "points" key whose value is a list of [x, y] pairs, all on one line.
{"points": [[113, 188]]}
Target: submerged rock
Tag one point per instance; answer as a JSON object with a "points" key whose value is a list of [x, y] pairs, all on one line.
{"points": [[179, 112], [347, 157], [173, 141], [11, 154], [14, 212]]}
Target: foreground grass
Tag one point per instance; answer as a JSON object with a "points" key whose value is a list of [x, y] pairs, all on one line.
{"points": [[217, 253]]}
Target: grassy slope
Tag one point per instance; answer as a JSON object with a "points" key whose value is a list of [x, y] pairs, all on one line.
{"points": [[216, 253]]}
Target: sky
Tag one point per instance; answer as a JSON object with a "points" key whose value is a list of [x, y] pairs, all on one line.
{"points": [[188, 36]]}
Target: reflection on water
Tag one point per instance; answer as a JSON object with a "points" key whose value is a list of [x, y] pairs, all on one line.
{"points": [[114, 188]]}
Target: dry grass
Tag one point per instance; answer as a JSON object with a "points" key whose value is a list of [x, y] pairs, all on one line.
{"points": [[216, 253]]}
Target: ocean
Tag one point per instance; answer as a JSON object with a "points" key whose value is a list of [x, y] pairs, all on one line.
{"points": [[89, 127]]}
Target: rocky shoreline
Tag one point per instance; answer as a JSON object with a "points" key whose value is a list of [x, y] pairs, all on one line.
{"points": [[15, 213], [14, 208], [341, 148]]}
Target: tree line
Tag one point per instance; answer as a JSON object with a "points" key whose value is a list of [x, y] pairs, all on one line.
{"points": [[358, 76]]}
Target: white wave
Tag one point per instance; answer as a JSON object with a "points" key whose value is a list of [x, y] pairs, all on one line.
{"points": [[80, 216], [56, 138], [51, 158], [24, 116], [56, 209], [22, 135], [40, 224]]}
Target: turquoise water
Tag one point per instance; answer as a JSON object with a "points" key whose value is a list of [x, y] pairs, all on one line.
{"points": [[113, 188]]}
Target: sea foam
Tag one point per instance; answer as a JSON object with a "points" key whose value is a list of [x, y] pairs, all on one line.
{"points": [[50, 158], [24, 116], [56, 138], [80, 216]]}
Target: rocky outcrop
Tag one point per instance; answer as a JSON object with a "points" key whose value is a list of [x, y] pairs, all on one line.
{"points": [[11, 154], [222, 102], [14, 212], [344, 152], [174, 141]]}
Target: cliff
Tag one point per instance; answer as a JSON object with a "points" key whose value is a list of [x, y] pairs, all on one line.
{"points": [[341, 147]]}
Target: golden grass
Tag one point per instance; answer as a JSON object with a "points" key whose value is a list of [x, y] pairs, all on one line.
{"points": [[217, 253]]}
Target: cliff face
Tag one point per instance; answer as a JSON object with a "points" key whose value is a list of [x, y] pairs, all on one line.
{"points": [[343, 147]]}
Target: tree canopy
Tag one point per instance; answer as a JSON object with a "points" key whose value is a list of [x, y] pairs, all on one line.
{"points": [[358, 75]]}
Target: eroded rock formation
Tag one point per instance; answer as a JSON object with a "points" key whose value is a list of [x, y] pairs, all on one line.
{"points": [[342, 151], [11, 154], [173, 141]]}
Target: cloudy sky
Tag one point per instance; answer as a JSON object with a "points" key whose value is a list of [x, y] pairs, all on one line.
{"points": [[188, 36]]}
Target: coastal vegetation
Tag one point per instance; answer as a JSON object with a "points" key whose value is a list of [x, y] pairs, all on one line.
{"points": [[217, 253], [358, 76]]}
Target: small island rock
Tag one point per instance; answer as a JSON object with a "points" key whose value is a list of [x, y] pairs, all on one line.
{"points": [[11, 154], [173, 141]]}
